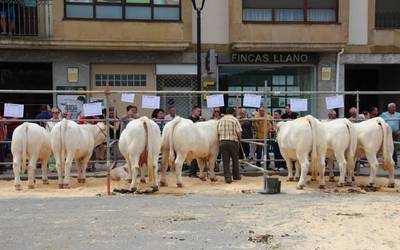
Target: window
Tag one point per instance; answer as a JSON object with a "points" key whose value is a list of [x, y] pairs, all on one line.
{"points": [[387, 14], [290, 11], [124, 80], [163, 10]]}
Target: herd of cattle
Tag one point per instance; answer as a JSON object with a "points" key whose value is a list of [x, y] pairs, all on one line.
{"points": [[305, 141]]}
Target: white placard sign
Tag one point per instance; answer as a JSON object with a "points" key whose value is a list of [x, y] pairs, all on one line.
{"points": [[298, 104], [13, 110], [215, 101], [150, 102], [253, 101], [92, 109], [333, 102], [126, 97]]}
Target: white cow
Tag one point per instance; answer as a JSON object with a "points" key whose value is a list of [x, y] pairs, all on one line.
{"points": [[297, 139], [30, 141], [341, 138], [71, 141], [140, 144], [374, 136], [189, 141]]}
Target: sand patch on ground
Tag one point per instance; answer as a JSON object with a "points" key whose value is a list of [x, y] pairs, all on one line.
{"points": [[98, 186]]}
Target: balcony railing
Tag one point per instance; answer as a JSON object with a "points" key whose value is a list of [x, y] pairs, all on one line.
{"points": [[388, 20], [25, 18]]}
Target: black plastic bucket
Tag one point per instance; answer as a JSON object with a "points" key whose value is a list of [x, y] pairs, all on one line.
{"points": [[272, 185]]}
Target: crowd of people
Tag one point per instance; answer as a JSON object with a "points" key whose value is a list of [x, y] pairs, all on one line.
{"points": [[238, 125]]}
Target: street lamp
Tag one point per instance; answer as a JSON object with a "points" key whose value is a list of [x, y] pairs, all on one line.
{"points": [[198, 6]]}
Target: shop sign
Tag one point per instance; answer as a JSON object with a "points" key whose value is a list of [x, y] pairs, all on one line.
{"points": [[274, 58]]}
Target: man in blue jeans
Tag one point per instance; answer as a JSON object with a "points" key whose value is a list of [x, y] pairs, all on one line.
{"points": [[393, 119]]}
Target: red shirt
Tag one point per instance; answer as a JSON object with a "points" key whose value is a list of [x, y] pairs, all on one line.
{"points": [[83, 121]]}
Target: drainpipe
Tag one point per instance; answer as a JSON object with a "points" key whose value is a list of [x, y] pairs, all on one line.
{"points": [[338, 68], [338, 75]]}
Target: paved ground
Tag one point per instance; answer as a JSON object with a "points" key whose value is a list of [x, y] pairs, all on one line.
{"points": [[301, 220]]}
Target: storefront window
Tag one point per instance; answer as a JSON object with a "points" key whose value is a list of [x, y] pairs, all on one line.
{"points": [[277, 78]]}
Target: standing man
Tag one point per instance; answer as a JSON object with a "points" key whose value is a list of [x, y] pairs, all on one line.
{"points": [[393, 119], [171, 114], [194, 117], [229, 135], [131, 114], [260, 127], [289, 115], [373, 112]]}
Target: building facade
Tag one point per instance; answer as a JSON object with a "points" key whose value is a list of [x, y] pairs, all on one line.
{"points": [[247, 45]]}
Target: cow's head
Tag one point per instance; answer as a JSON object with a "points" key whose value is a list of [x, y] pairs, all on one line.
{"points": [[101, 133]]}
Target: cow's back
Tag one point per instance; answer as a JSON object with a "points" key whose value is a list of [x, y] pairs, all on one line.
{"points": [[132, 139], [37, 139], [369, 135], [294, 136]]}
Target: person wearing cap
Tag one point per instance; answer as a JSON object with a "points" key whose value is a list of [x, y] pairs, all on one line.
{"points": [[55, 117]]}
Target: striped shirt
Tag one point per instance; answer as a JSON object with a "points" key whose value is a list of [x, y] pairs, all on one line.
{"points": [[228, 127]]}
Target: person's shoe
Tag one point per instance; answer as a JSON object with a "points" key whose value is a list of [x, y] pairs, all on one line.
{"points": [[3, 33], [237, 178], [228, 181]]}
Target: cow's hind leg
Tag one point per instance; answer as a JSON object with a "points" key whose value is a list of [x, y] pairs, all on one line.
{"points": [[330, 169], [143, 169], [17, 171], [342, 168], [391, 177], [373, 162], [297, 169], [178, 169], [59, 172], [134, 169], [304, 164], [289, 165], [322, 172], [155, 172], [67, 170], [43, 164], [201, 165], [211, 166], [31, 172], [164, 167]]}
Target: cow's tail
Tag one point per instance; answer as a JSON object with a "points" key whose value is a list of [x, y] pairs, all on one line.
{"points": [[351, 152], [387, 144], [24, 146], [149, 135], [63, 130], [170, 134], [314, 153]]}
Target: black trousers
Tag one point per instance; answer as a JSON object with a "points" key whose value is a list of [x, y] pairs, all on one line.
{"points": [[230, 150]]}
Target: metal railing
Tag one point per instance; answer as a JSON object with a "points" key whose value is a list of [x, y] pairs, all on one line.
{"points": [[25, 18]]}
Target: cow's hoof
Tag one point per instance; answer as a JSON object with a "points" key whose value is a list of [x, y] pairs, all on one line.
{"points": [[349, 184], [134, 189], [321, 186], [46, 182], [34, 181], [179, 185], [142, 181], [60, 186], [391, 185], [370, 185], [82, 181], [163, 184], [18, 187], [31, 186], [313, 179], [65, 186], [300, 187], [203, 178], [353, 179], [155, 189], [297, 178], [290, 179], [331, 179], [339, 185], [129, 180], [214, 179]]}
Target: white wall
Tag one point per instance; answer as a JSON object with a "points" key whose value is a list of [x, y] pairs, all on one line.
{"points": [[214, 21], [358, 25]]}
